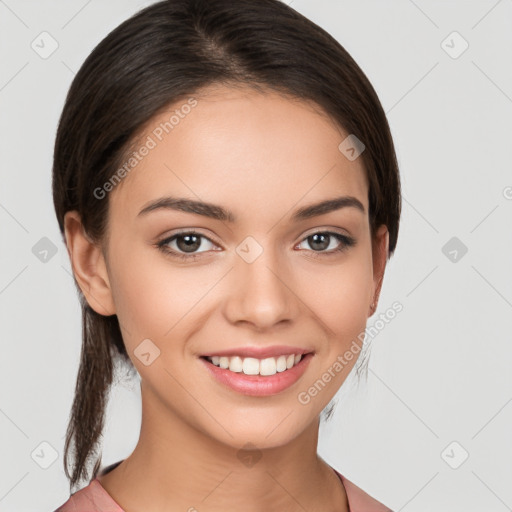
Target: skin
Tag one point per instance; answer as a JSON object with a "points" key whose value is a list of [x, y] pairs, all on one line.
{"points": [[262, 156]]}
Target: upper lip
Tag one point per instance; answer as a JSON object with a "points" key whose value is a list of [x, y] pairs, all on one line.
{"points": [[259, 352]]}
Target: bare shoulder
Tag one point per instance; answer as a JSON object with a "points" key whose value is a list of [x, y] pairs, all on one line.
{"points": [[359, 500]]}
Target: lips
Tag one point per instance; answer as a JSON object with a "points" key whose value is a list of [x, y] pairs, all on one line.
{"points": [[258, 385], [259, 352]]}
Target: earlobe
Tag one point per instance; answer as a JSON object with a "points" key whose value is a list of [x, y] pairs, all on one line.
{"points": [[380, 255], [88, 265]]}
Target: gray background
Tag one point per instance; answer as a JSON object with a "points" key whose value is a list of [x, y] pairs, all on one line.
{"points": [[439, 372]]}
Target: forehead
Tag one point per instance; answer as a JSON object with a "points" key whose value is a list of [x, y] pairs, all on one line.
{"points": [[239, 148]]}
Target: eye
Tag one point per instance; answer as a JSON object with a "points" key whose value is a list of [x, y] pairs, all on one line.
{"points": [[186, 245], [322, 240]]}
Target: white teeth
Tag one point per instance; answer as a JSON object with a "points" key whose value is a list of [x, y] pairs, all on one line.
{"points": [[253, 366], [281, 363], [250, 366], [267, 366], [235, 364]]}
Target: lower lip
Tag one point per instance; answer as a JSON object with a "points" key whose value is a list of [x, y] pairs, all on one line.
{"points": [[259, 385]]}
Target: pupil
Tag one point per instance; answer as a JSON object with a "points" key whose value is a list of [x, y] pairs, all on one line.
{"points": [[323, 244], [191, 243]]}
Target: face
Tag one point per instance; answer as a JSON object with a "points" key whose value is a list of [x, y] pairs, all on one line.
{"points": [[260, 277]]}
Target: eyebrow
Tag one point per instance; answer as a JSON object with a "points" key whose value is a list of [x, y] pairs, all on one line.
{"points": [[219, 213]]}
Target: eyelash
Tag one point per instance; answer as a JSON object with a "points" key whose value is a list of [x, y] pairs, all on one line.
{"points": [[345, 241]]}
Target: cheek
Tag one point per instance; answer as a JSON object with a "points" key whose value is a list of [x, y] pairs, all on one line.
{"points": [[339, 298], [339, 293], [154, 298]]}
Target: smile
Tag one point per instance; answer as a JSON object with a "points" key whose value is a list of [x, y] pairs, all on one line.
{"points": [[253, 366], [257, 377]]}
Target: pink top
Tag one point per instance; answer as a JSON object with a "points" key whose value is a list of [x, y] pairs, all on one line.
{"points": [[94, 498]]}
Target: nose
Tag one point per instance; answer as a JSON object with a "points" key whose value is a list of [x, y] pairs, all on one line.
{"points": [[261, 293]]}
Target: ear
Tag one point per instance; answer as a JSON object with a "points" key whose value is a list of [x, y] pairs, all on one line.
{"points": [[88, 265], [380, 248]]}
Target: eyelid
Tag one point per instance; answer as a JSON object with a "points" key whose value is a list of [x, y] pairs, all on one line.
{"points": [[325, 229]]}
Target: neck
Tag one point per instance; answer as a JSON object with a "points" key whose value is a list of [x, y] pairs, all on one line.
{"points": [[175, 466]]}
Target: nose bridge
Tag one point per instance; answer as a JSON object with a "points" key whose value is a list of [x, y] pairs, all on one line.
{"points": [[260, 291]]}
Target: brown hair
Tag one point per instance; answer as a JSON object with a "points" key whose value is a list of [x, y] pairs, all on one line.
{"points": [[166, 52]]}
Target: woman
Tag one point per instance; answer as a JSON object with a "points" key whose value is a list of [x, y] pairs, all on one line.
{"points": [[227, 187]]}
